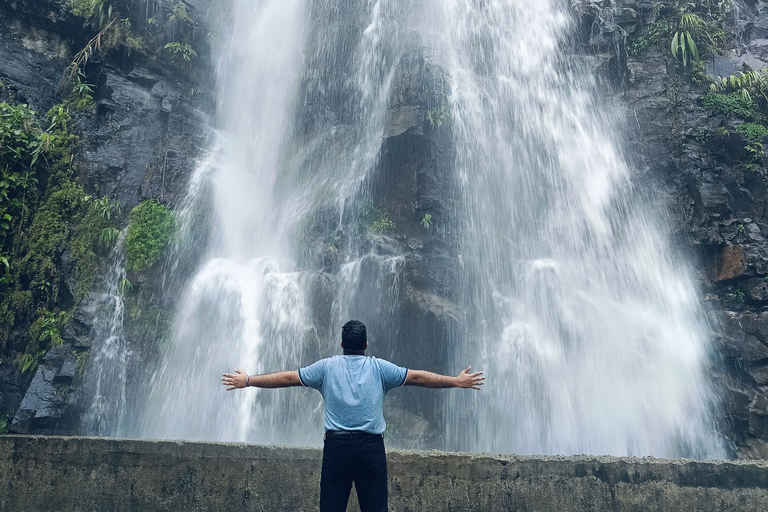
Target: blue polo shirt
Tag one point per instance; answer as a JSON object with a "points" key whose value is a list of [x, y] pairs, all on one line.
{"points": [[353, 389]]}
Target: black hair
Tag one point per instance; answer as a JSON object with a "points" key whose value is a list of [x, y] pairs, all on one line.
{"points": [[353, 335]]}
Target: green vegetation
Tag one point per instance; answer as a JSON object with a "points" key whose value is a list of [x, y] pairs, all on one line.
{"points": [[151, 229], [81, 359], [753, 132], [752, 85], [637, 46], [426, 221], [683, 43], [703, 136], [124, 286], [437, 116], [181, 49], [375, 220], [691, 29], [659, 31], [93, 235], [180, 14], [732, 104], [45, 213], [93, 12]]}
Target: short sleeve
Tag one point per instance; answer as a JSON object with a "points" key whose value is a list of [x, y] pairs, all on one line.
{"points": [[313, 375], [392, 376]]}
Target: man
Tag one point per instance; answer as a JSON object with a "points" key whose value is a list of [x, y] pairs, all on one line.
{"points": [[353, 388]]}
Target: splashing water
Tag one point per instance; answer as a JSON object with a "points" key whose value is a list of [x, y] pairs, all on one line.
{"points": [[587, 323]]}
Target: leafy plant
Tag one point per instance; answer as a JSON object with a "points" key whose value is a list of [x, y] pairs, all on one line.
{"points": [[81, 58], [683, 44], [180, 14], [81, 359], [382, 225], [746, 83], [702, 137], [637, 46], [375, 220], [426, 221], [28, 362], [21, 144], [437, 116], [109, 236], [150, 231], [48, 325], [753, 132], [755, 151], [183, 49], [124, 286], [92, 11], [733, 104], [106, 208]]}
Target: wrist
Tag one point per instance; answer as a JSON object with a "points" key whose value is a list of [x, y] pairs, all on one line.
{"points": [[247, 380]]}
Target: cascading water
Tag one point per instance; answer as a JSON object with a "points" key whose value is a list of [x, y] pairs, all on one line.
{"points": [[586, 321], [108, 370], [247, 303]]}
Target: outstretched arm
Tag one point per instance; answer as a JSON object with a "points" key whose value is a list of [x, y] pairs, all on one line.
{"points": [[269, 380], [435, 380]]}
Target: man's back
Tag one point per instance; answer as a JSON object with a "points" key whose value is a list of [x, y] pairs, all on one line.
{"points": [[353, 389]]}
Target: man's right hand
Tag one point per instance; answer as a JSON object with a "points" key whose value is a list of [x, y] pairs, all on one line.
{"points": [[468, 380]]}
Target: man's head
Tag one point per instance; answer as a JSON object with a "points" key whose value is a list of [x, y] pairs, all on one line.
{"points": [[354, 336]]}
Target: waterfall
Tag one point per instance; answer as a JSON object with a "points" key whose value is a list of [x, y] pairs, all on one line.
{"points": [[274, 167], [588, 323], [107, 375]]}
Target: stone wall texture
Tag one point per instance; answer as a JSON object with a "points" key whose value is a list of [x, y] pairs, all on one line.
{"points": [[62, 474]]}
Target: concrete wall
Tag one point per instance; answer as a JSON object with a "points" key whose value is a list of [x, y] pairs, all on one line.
{"points": [[57, 474]]}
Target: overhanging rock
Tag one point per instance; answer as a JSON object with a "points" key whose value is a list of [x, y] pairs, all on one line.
{"points": [[89, 474]]}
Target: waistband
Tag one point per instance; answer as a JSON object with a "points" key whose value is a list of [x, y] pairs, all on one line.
{"points": [[350, 434]]}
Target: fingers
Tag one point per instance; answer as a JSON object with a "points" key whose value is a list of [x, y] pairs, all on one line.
{"points": [[466, 370]]}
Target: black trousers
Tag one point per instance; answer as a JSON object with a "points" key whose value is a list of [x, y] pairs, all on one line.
{"points": [[354, 457]]}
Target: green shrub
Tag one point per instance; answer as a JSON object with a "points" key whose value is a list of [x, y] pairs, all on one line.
{"points": [[733, 104], [46, 223], [659, 31], [180, 14], [753, 132], [181, 49], [21, 143], [375, 220], [93, 234], [637, 46], [151, 229], [437, 116]]}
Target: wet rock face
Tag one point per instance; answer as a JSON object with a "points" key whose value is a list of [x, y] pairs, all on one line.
{"points": [[140, 141], [698, 160]]}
